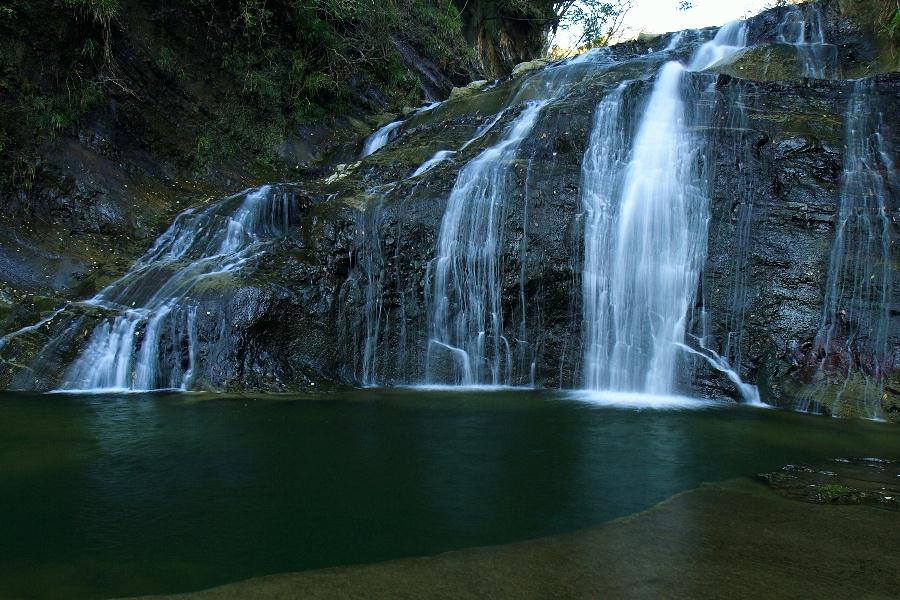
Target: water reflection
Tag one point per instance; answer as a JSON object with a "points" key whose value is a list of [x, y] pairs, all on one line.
{"points": [[105, 496]]}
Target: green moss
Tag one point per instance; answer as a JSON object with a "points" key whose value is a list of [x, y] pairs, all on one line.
{"points": [[853, 396], [307, 58], [204, 151], [881, 19], [770, 62], [47, 92], [820, 123], [100, 10], [835, 490], [215, 284], [275, 65], [167, 62]]}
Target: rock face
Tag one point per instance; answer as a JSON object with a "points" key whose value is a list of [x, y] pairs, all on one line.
{"points": [[462, 92], [345, 296], [504, 34]]}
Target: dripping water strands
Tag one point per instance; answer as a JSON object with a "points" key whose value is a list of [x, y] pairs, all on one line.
{"points": [[468, 344], [729, 359], [466, 313], [856, 318], [369, 275], [150, 339], [802, 29], [364, 292]]}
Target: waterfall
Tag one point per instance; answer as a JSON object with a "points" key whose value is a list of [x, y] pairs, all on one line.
{"points": [[660, 239], [647, 211], [153, 314], [467, 344], [380, 138], [601, 174], [466, 315], [731, 38], [802, 29], [386, 134], [856, 319]]}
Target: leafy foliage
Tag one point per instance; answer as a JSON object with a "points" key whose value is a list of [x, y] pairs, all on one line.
{"points": [[47, 94], [276, 64], [598, 21], [314, 56], [891, 26], [300, 61]]}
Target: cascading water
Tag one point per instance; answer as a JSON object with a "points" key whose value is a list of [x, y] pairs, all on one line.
{"points": [[467, 344], [386, 134], [601, 175], [802, 28], [853, 336], [645, 232], [645, 194], [380, 138], [730, 39], [466, 309], [659, 241], [152, 304], [370, 277]]}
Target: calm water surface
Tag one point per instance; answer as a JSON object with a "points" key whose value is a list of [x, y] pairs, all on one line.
{"points": [[106, 496]]}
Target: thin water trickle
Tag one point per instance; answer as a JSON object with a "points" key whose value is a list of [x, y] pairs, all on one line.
{"points": [[467, 343], [802, 28], [731, 38], [856, 318], [380, 138], [439, 157], [387, 133]]}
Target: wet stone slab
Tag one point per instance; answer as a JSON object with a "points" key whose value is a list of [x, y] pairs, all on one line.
{"points": [[867, 481], [736, 539]]}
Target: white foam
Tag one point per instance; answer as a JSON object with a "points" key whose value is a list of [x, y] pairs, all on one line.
{"points": [[114, 391], [467, 388], [641, 401]]}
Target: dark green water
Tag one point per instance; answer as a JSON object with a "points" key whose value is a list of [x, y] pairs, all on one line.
{"points": [[108, 496]]}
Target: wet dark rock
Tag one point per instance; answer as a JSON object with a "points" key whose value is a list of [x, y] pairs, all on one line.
{"points": [[435, 84], [299, 314], [789, 156]]}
